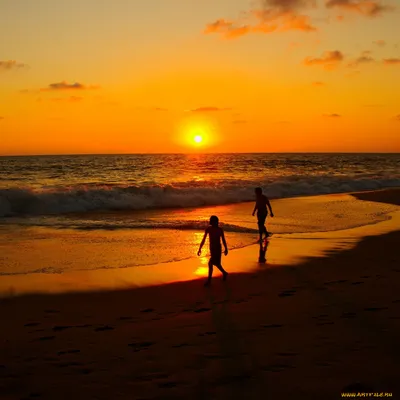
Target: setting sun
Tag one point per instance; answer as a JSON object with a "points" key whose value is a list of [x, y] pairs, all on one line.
{"points": [[198, 139]]}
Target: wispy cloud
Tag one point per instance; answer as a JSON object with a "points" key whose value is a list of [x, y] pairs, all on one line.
{"points": [[364, 58], [67, 86], [11, 64], [318, 84], [332, 115], [397, 117], [329, 60], [160, 109], [239, 122], [370, 8], [380, 43], [271, 16], [209, 109], [1, 118], [391, 61]]}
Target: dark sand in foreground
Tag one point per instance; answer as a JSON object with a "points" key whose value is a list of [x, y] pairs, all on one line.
{"points": [[299, 332]]}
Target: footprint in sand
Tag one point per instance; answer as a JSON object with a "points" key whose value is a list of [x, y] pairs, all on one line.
{"points": [[167, 385], [335, 282], [73, 351], [140, 346], [61, 328], [200, 310], [375, 308], [177, 346], [348, 315], [104, 328], [321, 316], [46, 338], [277, 367], [271, 326], [287, 293], [30, 324], [207, 333], [151, 377]]}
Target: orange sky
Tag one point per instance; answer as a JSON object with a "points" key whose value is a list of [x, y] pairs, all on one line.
{"points": [[266, 76]]}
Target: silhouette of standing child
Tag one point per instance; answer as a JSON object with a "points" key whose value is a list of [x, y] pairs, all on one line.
{"points": [[262, 202], [215, 235]]}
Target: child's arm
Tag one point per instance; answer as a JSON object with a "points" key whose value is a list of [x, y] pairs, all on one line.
{"points": [[224, 242], [255, 209], [202, 242], [270, 208]]}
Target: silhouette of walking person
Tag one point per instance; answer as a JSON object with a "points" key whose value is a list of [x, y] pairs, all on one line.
{"points": [[262, 202], [216, 234]]}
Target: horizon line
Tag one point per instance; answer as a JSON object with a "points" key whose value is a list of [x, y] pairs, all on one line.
{"points": [[192, 153]]}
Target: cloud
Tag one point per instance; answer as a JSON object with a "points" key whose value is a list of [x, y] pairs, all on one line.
{"points": [[67, 86], [329, 60], [227, 28], [332, 115], [391, 61], [319, 84], [209, 109], [239, 122], [369, 8], [1, 118], [159, 109], [11, 64], [364, 58], [272, 16], [397, 117], [380, 43], [288, 5]]}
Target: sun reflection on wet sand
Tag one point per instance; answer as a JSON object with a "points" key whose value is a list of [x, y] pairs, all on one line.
{"points": [[282, 250]]}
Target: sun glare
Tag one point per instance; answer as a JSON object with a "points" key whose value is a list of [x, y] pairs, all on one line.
{"points": [[198, 139], [197, 134]]}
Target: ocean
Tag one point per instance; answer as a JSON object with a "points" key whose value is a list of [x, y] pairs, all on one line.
{"points": [[136, 210]]}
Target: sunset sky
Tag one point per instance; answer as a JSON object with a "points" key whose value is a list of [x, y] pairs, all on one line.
{"points": [[128, 76]]}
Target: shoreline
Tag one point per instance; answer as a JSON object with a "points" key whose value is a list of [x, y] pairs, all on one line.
{"points": [[285, 249], [326, 326]]}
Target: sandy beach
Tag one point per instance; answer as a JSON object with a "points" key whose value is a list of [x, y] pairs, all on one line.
{"points": [[312, 331]]}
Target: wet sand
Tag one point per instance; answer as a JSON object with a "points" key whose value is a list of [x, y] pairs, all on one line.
{"points": [[291, 332]]}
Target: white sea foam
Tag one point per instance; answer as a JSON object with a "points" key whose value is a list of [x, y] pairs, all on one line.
{"points": [[80, 199]]}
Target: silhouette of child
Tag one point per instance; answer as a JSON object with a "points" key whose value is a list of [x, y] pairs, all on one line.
{"points": [[262, 203], [215, 235]]}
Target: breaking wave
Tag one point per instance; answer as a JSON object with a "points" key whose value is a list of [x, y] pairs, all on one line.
{"points": [[81, 199]]}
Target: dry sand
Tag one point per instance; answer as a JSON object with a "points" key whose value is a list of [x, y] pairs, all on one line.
{"points": [[309, 331]]}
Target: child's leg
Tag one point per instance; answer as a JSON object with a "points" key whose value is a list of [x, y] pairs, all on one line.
{"points": [[224, 273], [210, 272], [260, 229]]}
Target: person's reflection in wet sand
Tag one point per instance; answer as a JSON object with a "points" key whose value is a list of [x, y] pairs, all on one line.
{"points": [[263, 251]]}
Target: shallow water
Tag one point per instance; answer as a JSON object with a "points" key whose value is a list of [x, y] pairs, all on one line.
{"points": [[115, 240]]}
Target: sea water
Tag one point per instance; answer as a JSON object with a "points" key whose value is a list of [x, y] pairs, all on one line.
{"points": [[133, 210]]}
